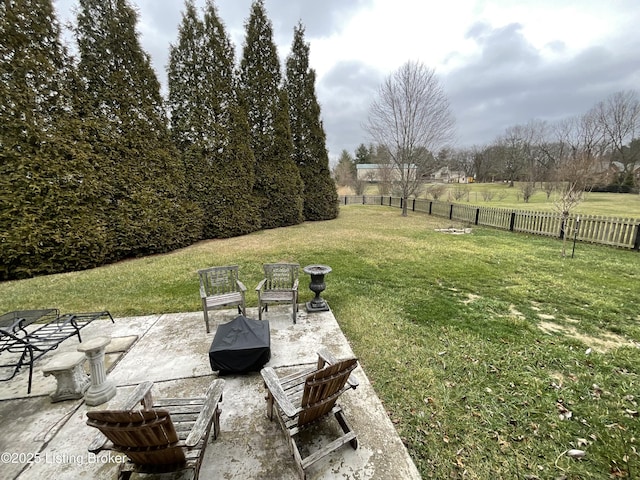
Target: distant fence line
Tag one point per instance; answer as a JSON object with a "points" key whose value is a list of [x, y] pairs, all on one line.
{"points": [[617, 232]]}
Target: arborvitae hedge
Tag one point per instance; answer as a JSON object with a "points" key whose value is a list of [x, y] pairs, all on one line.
{"points": [[206, 119], [277, 186], [89, 171], [48, 187], [309, 139], [143, 177], [278, 178]]}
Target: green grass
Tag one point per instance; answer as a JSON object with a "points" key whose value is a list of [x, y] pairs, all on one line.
{"points": [[449, 329], [595, 203]]}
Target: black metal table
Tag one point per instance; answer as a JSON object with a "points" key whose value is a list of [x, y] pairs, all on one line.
{"points": [[23, 347]]}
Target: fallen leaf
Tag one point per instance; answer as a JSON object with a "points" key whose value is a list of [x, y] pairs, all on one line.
{"points": [[575, 453], [563, 412]]}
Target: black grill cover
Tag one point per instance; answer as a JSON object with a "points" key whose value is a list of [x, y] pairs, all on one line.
{"points": [[242, 345]]}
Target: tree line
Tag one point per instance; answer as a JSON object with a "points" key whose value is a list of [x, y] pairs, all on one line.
{"points": [[596, 150], [97, 166], [604, 141]]}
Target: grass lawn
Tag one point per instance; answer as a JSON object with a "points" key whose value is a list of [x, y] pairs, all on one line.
{"points": [[493, 355], [595, 203]]}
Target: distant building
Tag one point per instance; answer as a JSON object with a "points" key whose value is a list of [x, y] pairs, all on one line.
{"points": [[444, 175], [376, 172], [607, 172]]}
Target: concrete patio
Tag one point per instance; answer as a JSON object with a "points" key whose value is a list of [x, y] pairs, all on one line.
{"points": [[172, 351]]}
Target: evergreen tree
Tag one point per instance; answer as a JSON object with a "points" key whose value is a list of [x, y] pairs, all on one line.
{"points": [[364, 154], [278, 187], [309, 139], [185, 73], [143, 184], [345, 171], [204, 110], [49, 221]]}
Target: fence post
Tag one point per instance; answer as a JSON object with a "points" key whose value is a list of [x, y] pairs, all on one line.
{"points": [[401, 202], [430, 205], [477, 215], [363, 199], [381, 200], [562, 229], [636, 244], [512, 224], [451, 212], [413, 208]]}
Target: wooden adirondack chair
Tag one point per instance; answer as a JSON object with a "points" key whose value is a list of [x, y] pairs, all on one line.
{"points": [[220, 287], [168, 435], [306, 397], [279, 285]]}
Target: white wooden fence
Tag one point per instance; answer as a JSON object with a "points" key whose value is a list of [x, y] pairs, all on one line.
{"points": [[614, 231]]}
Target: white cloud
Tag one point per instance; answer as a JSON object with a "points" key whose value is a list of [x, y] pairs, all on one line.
{"points": [[502, 62]]}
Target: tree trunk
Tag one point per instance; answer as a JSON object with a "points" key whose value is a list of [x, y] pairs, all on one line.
{"points": [[404, 206], [565, 221]]}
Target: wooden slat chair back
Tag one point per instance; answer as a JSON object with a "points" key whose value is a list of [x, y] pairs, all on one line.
{"points": [[148, 437], [280, 276], [304, 398], [322, 389], [159, 435], [279, 285], [221, 287]]}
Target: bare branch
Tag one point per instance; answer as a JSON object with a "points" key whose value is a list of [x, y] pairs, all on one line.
{"points": [[411, 118]]}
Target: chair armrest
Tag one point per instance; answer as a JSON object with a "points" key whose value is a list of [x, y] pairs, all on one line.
{"points": [[212, 398], [295, 285], [142, 394], [273, 385], [261, 284], [241, 286], [326, 357], [203, 294]]}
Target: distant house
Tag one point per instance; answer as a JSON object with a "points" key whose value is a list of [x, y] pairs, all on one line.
{"points": [[607, 172], [444, 175], [375, 172]]}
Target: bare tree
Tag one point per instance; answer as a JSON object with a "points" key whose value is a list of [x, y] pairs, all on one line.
{"points": [[577, 170], [437, 190], [486, 162], [619, 118], [343, 172], [412, 120], [527, 189], [385, 170], [518, 159]]}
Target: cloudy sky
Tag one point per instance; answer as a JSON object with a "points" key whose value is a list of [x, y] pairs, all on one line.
{"points": [[501, 62]]}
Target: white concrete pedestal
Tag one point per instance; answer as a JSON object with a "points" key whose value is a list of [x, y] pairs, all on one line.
{"points": [[71, 380], [101, 389]]}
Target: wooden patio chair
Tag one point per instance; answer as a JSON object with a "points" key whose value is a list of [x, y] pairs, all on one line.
{"points": [[304, 398], [220, 287], [279, 285], [168, 435]]}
